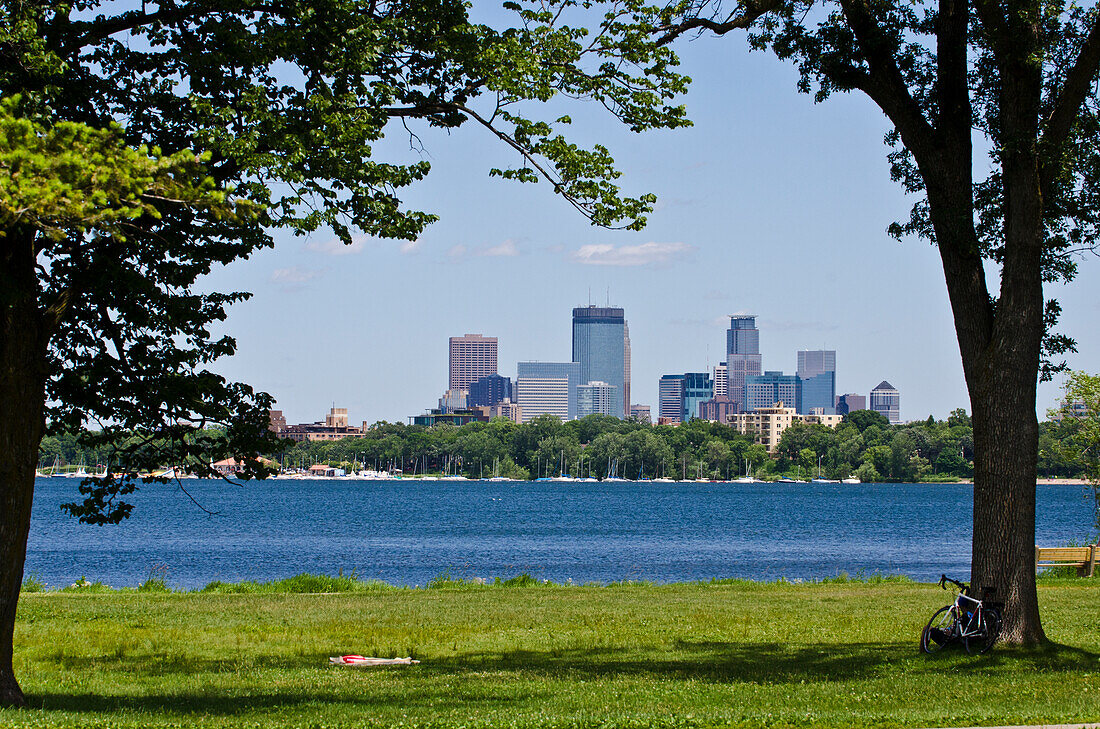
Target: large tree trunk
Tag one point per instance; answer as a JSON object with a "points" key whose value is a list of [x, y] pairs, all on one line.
{"points": [[1006, 441], [22, 391]]}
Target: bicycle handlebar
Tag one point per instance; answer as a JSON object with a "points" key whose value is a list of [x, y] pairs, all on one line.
{"points": [[945, 579]]}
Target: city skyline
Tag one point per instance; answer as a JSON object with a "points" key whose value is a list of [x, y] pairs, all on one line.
{"points": [[811, 192]]}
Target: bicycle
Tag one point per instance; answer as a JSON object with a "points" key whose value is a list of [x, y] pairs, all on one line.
{"points": [[972, 622]]}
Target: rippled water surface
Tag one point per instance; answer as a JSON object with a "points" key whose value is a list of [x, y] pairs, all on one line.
{"points": [[407, 533]]}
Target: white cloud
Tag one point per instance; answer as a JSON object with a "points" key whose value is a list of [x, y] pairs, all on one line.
{"points": [[507, 248], [644, 254], [410, 246], [457, 251], [295, 277], [336, 247]]}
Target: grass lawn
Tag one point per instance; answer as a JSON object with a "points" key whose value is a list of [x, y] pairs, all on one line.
{"points": [[823, 654]]}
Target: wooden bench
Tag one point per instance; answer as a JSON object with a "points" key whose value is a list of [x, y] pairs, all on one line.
{"points": [[1083, 558]]}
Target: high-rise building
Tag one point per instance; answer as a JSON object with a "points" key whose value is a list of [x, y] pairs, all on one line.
{"points": [[721, 380], [640, 413], [601, 348], [471, 358], [717, 409], [453, 401], [850, 402], [698, 388], [742, 355], [813, 362], [547, 387], [489, 390], [595, 397], [764, 391], [817, 370], [626, 370], [818, 394], [886, 399], [670, 395]]}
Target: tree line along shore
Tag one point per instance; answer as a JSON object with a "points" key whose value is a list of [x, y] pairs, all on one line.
{"points": [[865, 446]]}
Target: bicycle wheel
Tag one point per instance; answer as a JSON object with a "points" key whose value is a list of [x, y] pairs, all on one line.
{"points": [[940, 631], [988, 629]]}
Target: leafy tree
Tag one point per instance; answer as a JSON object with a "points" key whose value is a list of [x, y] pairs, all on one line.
{"points": [[144, 143], [864, 419], [1080, 423], [1020, 77]]}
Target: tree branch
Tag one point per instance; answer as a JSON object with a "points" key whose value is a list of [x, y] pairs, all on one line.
{"points": [[751, 10], [1075, 89], [885, 84]]}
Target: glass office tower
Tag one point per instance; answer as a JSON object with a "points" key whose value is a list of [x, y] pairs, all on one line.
{"points": [[600, 348], [742, 355], [817, 370]]}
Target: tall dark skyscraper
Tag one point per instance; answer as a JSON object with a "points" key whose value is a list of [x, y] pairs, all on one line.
{"points": [[601, 347], [742, 354]]}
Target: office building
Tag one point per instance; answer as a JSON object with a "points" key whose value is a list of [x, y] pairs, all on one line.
{"points": [[601, 347], [471, 358], [547, 388], [489, 390], [721, 380], [812, 362], [767, 424], [850, 402], [717, 409], [507, 409], [626, 369], [640, 413], [885, 399], [596, 397], [742, 355], [453, 401], [817, 370], [698, 388], [1078, 409], [765, 390], [456, 418], [670, 394], [818, 393]]}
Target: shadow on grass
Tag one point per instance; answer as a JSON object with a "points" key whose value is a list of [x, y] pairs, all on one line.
{"points": [[519, 676]]}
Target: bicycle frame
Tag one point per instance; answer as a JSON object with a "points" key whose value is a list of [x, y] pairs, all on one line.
{"points": [[968, 628]]}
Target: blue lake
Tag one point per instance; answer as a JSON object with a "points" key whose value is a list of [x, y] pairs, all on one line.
{"points": [[407, 533]]}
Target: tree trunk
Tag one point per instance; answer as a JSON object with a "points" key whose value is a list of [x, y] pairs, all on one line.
{"points": [[1006, 442], [22, 423]]}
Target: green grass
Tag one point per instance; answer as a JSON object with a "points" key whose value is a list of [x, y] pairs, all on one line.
{"points": [[836, 653]]}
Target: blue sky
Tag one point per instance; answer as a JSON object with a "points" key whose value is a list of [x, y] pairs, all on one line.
{"points": [[769, 205]]}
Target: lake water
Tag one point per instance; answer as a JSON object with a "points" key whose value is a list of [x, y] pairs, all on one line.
{"points": [[406, 533]]}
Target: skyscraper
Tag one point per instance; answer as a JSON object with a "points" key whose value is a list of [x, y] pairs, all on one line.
{"points": [[817, 370], [886, 399], [813, 362], [601, 347], [627, 412], [547, 387], [489, 390], [763, 391], [471, 358], [698, 388], [742, 355], [595, 397], [671, 398], [721, 380], [850, 402]]}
